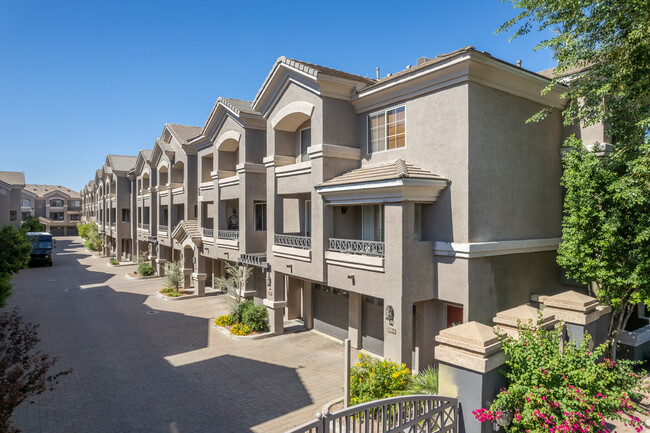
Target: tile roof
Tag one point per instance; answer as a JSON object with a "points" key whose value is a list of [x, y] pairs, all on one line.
{"points": [[13, 177], [313, 70], [190, 227], [183, 133], [42, 190], [238, 105], [122, 162], [146, 154], [394, 170], [166, 147], [550, 73]]}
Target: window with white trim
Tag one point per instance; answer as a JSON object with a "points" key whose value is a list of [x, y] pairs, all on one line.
{"points": [[305, 142], [387, 130]]}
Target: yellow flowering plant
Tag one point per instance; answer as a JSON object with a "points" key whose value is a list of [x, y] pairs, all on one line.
{"points": [[373, 379], [240, 329]]}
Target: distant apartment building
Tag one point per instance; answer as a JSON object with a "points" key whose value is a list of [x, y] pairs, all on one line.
{"points": [[11, 186], [57, 207], [380, 210]]}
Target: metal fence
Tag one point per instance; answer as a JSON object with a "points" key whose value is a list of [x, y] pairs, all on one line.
{"points": [[233, 235], [353, 246], [303, 242], [406, 414]]}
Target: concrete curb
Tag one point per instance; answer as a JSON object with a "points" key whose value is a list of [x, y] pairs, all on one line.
{"points": [[128, 277], [326, 407]]}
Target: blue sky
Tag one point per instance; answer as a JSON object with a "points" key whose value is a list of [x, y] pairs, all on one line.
{"points": [[80, 79]]}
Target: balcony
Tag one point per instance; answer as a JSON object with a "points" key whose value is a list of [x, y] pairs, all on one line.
{"points": [[232, 235], [355, 253], [145, 226], [209, 233], [292, 247], [163, 228], [353, 246], [303, 242]]}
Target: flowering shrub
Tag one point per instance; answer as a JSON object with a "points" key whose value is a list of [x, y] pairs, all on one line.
{"points": [[240, 329], [224, 320], [570, 391], [372, 379]]}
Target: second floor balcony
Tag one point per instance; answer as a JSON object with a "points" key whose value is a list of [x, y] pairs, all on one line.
{"points": [[232, 235], [355, 246], [303, 242]]}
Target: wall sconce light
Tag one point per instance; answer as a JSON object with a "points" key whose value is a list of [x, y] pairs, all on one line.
{"points": [[290, 267], [505, 418], [344, 210], [227, 254], [390, 314], [351, 277], [194, 260]]}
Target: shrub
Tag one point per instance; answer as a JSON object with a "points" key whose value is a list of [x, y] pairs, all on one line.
{"points": [[240, 329], [237, 309], [255, 317], [372, 379], [114, 262], [234, 284], [224, 320], [32, 224], [425, 382], [571, 391], [170, 292], [145, 269], [173, 275]]}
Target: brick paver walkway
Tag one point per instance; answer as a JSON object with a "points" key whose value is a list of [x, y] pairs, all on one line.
{"points": [[170, 371]]}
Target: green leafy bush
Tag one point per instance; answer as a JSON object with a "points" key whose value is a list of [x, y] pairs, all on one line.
{"points": [[240, 329], [224, 320], [32, 224], [373, 379], [173, 275], [571, 391], [145, 269], [425, 382], [168, 291], [256, 317], [114, 262], [237, 309]]}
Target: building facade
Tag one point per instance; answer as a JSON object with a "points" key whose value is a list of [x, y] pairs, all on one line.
{"points": [[380, 210], [11, 187], [58, 208]]}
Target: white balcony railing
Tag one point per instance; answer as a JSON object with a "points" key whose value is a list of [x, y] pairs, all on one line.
{"points": [[353, 246], [208, 232], [163, 227], [303, 242], [232, 235]]}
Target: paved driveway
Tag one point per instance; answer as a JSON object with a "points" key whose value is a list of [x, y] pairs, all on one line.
{"points": [[170, 371]]}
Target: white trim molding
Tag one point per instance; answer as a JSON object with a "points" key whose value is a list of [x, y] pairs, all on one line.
{"points": [[496, 248], [333, 151], [384, 191]]}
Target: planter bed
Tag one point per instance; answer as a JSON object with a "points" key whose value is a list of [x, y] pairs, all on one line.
{"points": [[177, 298], [253, 336], [134, 276]]}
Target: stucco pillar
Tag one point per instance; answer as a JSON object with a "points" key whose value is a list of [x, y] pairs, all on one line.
{"points": [[307, 312], [275, 303], [507, 322], [354, 319], [469, 357], [428, 316], [200, 275], [161, 266], [187, 278], [397, 335], [581, 313]]}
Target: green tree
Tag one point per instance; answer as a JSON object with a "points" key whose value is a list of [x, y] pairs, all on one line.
{"points": [[15, 252], [602, 49], [173, 276], [32, 224], [606, 231], [234, 284]]}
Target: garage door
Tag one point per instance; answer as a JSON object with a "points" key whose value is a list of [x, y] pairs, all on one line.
{"points": [[372, 325], [330, 308], [56, 231], [72, 231]]}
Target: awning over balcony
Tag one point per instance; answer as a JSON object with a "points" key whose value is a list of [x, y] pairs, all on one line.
{"points": [[187, 233], [394, 182]]}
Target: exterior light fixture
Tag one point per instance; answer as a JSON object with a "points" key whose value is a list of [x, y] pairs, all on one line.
{"points": [[344, 209], [505, 418], [390, 314]]}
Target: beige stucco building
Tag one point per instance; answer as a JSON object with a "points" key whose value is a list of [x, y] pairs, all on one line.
{"points": [[380, 210], [57, 207], [11, 187]]}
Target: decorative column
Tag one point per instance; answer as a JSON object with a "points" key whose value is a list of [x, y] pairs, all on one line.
{"points": [[508, 321], [274, 303], [200, 275], [581, 313], [469, 357], [161, 266]]}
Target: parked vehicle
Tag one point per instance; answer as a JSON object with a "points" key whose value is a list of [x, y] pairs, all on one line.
{"points": [[42, 246]]}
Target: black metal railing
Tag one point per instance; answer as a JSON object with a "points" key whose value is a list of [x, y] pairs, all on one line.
{"points": [[303, 242]]}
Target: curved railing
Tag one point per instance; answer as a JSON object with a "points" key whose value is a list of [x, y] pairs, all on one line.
{"points": [[353, 246], [406, 414], [303, 242]]}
